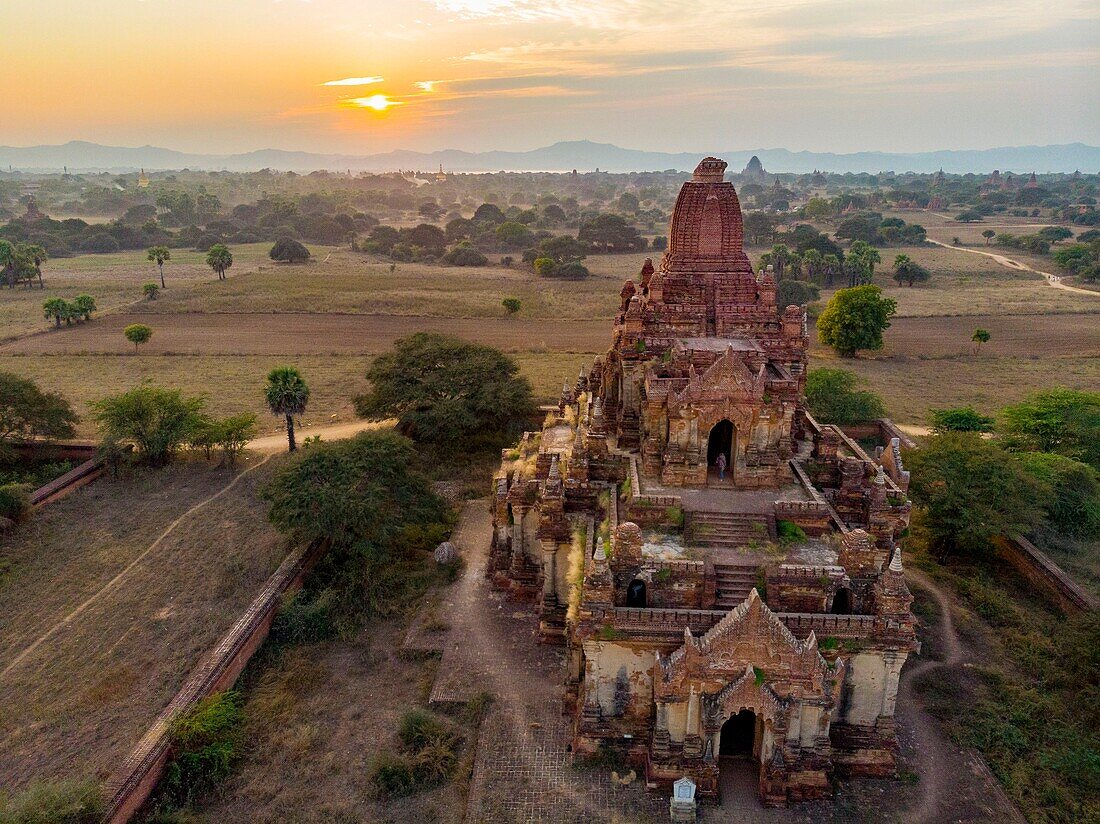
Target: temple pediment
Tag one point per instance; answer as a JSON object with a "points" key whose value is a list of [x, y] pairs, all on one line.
{"points": [[749, 638], [728, 377]]}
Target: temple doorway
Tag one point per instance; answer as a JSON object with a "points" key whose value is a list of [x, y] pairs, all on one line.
{"points": [[720, 442], [739, 735], [635, 594], [738, 765], [842, 602]]}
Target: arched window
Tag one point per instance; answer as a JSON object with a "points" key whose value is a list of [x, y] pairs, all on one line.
{"points": [[635, 594]]}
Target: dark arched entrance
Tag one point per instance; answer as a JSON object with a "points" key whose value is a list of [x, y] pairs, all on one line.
{"points": [[739, 734], [635, 594], [720, 442], [842, 602]]}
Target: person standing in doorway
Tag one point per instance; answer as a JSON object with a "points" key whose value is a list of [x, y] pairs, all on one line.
{"points": [[720, 462]]}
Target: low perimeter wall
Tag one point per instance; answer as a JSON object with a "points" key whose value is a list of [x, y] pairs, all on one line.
{"points": [[1040, 570], [89, 469], [133, 782]]}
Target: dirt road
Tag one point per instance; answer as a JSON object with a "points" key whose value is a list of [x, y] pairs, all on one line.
{"points": [[332, 432], [1051, 279]]}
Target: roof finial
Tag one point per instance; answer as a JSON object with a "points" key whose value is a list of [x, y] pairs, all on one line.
{"points": [[895, 562]]}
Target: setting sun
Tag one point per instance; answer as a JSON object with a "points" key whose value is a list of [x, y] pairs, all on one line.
{"points": [[378, 102]]}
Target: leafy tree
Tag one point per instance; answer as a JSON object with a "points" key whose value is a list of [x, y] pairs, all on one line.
{"points": [[832, 397], [219, 258], [289, 250], [562, 249], [57, 310], [545, 266], [759, 227], [1055, 233], [831, 266], [863, 228], [27, 412], [979, 337], [463, 254], [512, 305], [969, 216], [489, 213], [84, 305], [158, 421], [8, 261], [150, 290], [287, 394], [1073, 507], [234, 433], [158, 255], [963, 419], [907, 270], [988, 235], [796, 292], [553, 214], [446, 391], [611, 233], [855, 319], [1063, 421], [971, 490], [365, 497], [137, 334]]}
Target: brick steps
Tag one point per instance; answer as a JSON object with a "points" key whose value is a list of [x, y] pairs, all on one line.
{"points": [[733, 582], [728, 530]]}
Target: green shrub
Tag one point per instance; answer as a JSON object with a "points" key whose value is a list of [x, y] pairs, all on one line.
{"points": [[15, 501], [790, 532], [420, 727], [62, 802], [205, 746], [391, 776]]}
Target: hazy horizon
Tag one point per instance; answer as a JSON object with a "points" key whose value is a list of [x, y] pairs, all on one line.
{"points": [[340, 76]]}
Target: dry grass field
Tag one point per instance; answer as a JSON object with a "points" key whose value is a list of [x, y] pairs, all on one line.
{"points": [[331, 316], [114, 280], [79, 700]]}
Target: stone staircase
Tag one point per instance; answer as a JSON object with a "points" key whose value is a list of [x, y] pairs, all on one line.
{"points": [[733, 581], [728, 530]]}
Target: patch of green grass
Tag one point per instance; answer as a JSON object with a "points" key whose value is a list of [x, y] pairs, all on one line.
{"points": [[61, 802]]}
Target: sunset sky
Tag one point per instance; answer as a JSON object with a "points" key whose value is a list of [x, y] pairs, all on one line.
{"points": [[372, 75]]}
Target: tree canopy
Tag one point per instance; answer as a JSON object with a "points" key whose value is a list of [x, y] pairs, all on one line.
{"points": [[832, 397], [27, 412], [446, 391], [289, 250], [971, 490], [855, 319], [158, 421], [1063, 421]]}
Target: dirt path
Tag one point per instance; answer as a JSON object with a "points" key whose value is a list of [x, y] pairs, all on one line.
{"points": [[1051, 279], [271, 444], [956, 784], [75, 613]]}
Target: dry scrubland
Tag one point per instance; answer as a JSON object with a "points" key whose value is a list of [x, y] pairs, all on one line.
{"points": [[79, 701], [331, 316]]}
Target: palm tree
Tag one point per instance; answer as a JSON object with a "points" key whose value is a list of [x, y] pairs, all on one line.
{"points": [[219, 258], [287, 394], [37, 256], [159, 254], [812, 259], [8, 261]]}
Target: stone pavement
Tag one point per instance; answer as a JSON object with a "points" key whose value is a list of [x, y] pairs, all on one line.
{"points": [[523, 770]]}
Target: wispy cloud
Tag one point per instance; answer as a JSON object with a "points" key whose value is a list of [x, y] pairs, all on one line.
{"points": [[354, 81], [426, 86]]}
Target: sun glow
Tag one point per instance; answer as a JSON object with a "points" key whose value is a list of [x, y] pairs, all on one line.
{"points": [[378, 102]]}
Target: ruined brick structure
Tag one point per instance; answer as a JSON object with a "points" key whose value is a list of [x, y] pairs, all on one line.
{"points": [[755, 618]]}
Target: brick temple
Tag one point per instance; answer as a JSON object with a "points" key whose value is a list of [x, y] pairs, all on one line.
{"points": [[724, 571]]}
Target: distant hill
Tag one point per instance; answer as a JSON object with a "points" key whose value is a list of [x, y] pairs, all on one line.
{"points": [[582, 155]]}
